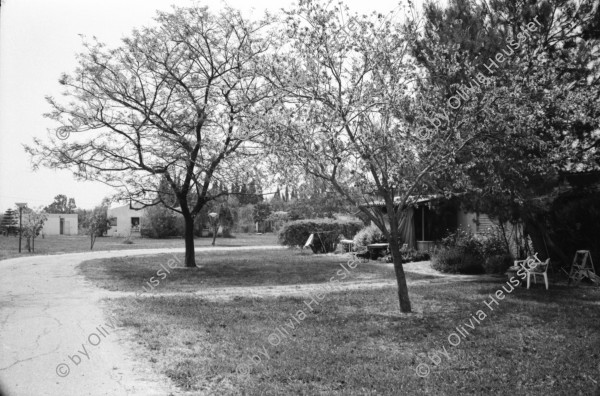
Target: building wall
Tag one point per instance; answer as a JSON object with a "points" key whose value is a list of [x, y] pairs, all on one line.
{"points": [[52, 225], [123, 214], [466, 220]]}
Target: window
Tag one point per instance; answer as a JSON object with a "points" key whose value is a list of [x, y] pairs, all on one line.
{"points": [[135, 224]]}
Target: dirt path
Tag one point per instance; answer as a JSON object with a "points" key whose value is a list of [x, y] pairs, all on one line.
{"points": [[51, 323], [56, 340]]}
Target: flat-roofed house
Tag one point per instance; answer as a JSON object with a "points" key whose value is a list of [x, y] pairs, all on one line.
{"points": [[127, 221], [61, 224]]}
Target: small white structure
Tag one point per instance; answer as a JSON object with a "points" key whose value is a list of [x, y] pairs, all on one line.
{"points": [[61, 224], [128, 221]]}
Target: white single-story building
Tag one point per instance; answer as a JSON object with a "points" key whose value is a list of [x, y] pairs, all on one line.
{"points": [[127, 221], [61, 224]]}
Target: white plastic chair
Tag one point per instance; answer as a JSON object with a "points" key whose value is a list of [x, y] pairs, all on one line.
{"points": [[534, 267]]}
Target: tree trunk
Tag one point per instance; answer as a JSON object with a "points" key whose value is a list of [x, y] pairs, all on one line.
{"points": [[215, 230], [400, 276], [190, 254], [506, 244]]}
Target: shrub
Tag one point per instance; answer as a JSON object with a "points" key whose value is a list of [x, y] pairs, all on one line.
{"points": [[414, 256], [159, 222], [463, 240], [295, 233], [369, 234], [457, 261], [493, 244], [497, 264]]}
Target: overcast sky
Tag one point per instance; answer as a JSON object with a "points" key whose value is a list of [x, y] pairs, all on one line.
{"points": [[38, 41]]}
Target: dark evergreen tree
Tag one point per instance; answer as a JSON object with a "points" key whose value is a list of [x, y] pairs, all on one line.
{"points": [[226, 220], [244, 197], [10, 222]]}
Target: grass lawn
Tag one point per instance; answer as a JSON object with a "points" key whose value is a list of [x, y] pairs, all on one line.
{"points": [[57, 244], [534, 342], [222, 269]]}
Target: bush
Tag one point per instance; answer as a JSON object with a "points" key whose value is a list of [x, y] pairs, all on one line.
{"points": [[466, 253], [413, 256], [493, 244], [498, 264], [160, 222], [369, 234], [456, 261], [295, 233], [464, 241]]}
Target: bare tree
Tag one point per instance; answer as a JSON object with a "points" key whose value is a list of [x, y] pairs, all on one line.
{"points": [[351, 117], [172, 102]]}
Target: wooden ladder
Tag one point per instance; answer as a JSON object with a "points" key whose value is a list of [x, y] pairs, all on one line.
{"points": [[583, 267]]}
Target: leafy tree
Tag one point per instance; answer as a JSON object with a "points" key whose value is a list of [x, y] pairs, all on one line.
{"points": [[261, 212], [244, 197], [545, 99], [61, 204], [347, 78], [226, 219], [32, 225], [171, 103], [359, 115], [81, 215], [254, 192], [97, 223]]}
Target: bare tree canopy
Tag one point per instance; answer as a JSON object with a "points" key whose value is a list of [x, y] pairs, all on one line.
{"points": [[172, 102]]}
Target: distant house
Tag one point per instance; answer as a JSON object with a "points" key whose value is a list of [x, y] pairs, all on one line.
{"points": [[127, 221], [61, 224]]}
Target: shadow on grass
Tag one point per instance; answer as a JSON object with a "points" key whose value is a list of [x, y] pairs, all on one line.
{"points": [[356, 342], [225, 269]]}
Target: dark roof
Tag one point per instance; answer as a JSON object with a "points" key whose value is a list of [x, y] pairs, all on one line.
{"points": [[412, 200]]}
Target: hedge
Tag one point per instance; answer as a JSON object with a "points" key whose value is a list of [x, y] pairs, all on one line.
{"points": [[295, 233], [457, 261]]}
